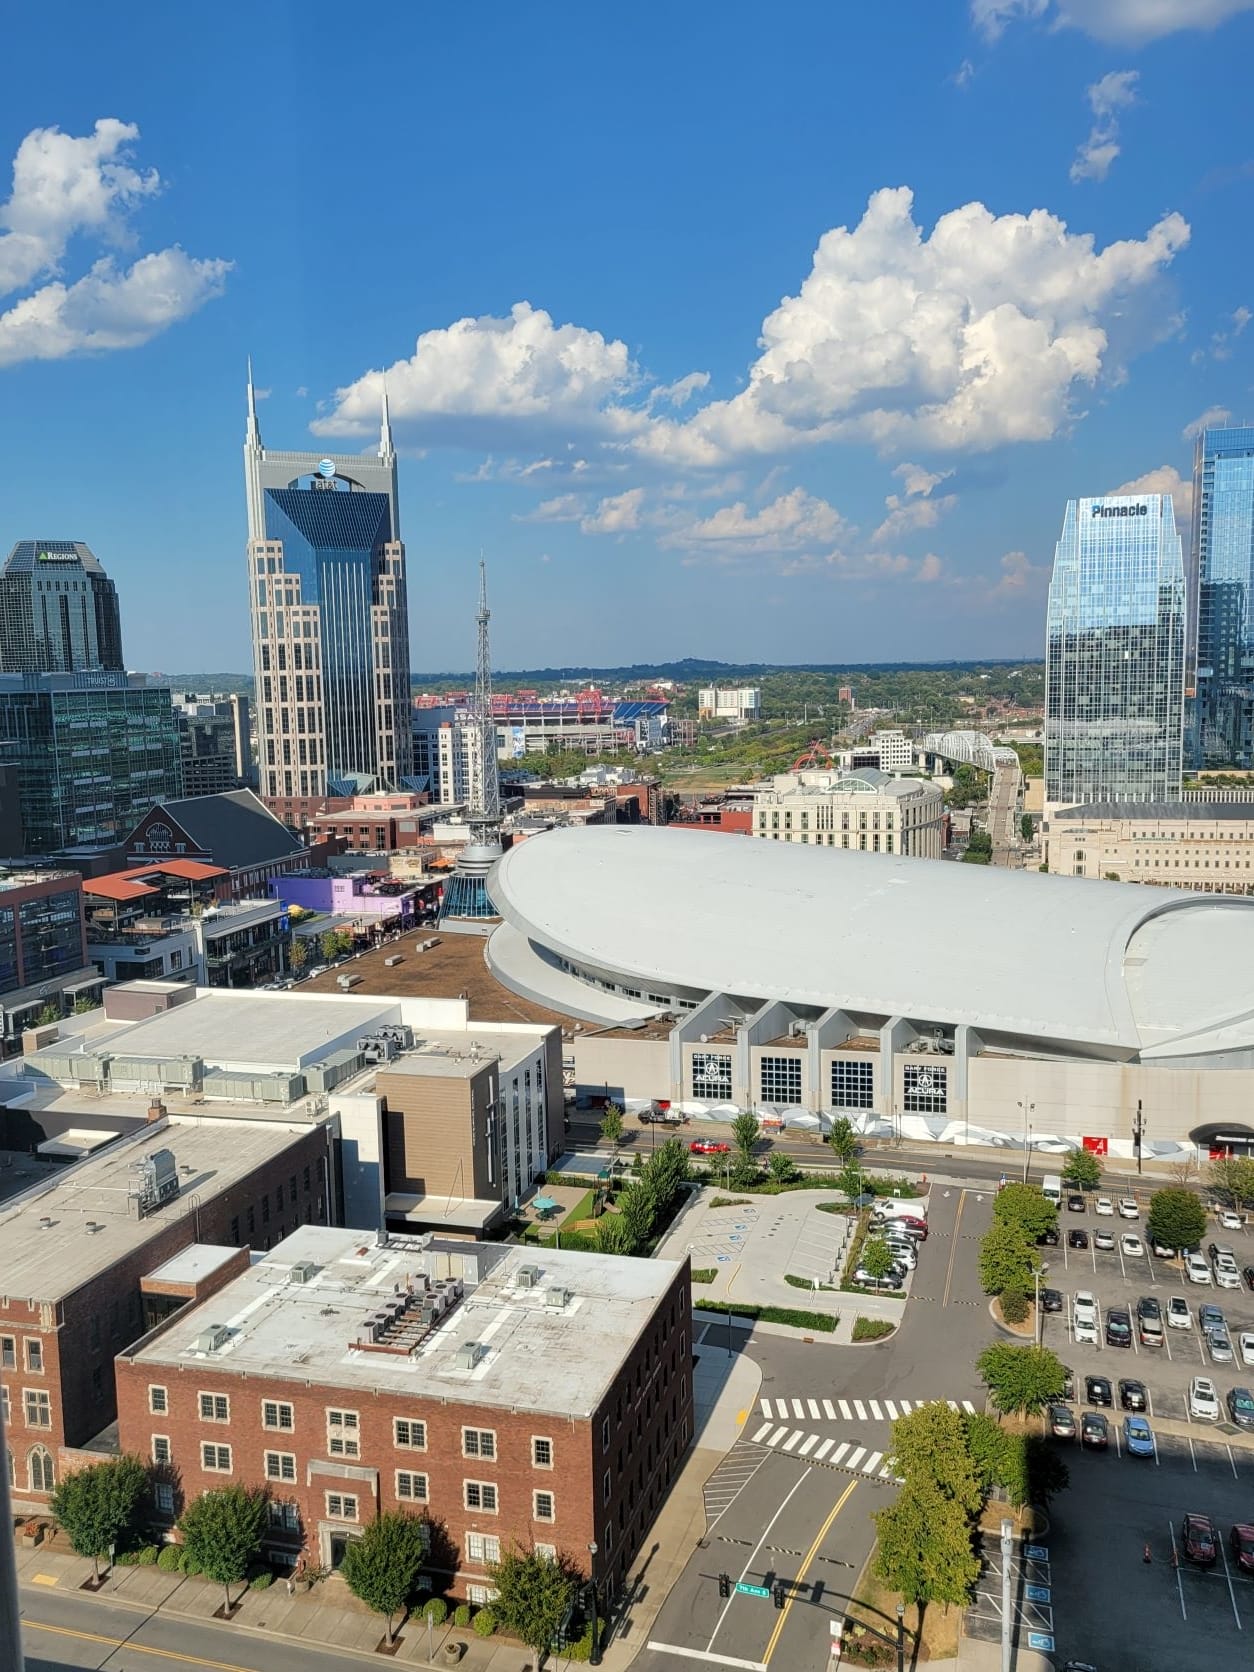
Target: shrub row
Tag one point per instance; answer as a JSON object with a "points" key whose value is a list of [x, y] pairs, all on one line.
{"points": [[824, 1321]]}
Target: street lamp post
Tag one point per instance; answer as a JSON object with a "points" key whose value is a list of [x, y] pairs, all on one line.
{"points": [[594, 1654], [1138, 1133], [1029, 1109], [901, 1637]]}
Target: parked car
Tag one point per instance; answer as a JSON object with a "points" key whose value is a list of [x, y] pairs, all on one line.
{"points": [[1128, 1208], [1160, 1250], [1247, 1272], [1051, 1300], [1245, 1341], [1197, 1536], [1178, 1314], [1084, 1316], [708, 1146], [1104, 1241], [1103, 1204], [1132, 1395], [1131, 1246], [1138, 1440], [1219, 1346], [1203, 1399], [1062, 1422], [1148, 1307], [884, 1285], [1230, 1219], [1094, 1431], [1077, 1238], [1118, 1328], [1097, 1390], [1240, 1403], [1048, 1238], [1210, 1316], [1196, 1269], [1076, 1204], [1227, 1277], [1241, 1543]]}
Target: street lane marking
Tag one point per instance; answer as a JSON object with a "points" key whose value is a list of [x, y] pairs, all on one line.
{"points": [[777, 1436], [840, 1452], [891, 1409], [814, 1408], [905, 1405], [799, 1581], [823, 1450], [829, 1410], [704, 1654], [952, 1403], [765, 1429], [953, 1247], [809, 1446], [844, 1409], [876, 1457], [969, 1408], [855, 1458], [766, 1407], [753, 1555], [1175, 1562], [875, 1409], [796, 1409], [130, 1644], [860, 1408]]}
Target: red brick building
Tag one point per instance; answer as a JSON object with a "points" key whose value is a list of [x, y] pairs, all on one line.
{"points": [[76, 1253], [517, 1396]]}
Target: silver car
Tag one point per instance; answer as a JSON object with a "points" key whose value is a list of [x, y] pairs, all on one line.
{"points": [[1219, 1346]]}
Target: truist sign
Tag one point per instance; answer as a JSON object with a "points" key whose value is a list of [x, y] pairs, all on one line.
{"points": [[1100, 510]]}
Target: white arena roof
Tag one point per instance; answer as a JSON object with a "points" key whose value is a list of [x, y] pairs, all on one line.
{"points": [[1115, 967]]}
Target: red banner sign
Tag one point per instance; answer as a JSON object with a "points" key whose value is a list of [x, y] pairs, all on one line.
{"points": [[1097, 1146]]}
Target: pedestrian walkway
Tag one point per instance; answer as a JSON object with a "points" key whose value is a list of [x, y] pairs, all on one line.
{"points": [[847, 1454], [850, 1410]]}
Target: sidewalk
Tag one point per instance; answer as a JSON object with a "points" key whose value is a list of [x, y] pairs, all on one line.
{"points": [[329, 1615]]}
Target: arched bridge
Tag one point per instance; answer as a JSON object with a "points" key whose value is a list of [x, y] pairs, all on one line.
{"points": [[972, 748]]}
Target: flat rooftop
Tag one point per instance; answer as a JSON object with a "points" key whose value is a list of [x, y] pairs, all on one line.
{"points": [[46, 1263], [538, 1356], [194, 1263]]}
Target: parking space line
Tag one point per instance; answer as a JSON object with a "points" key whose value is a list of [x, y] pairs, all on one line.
{"points": [[1192, 1453], [1154, 1442], [1233, 1461], [1175, 1562], [1118, 1447], [1232, 1595]]}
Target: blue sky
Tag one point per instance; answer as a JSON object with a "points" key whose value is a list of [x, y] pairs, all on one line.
{"points": [[755, 332]]}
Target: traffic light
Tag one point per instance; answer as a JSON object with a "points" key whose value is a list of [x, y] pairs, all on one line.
{"points": [[777, 1593], [724, 1584]]}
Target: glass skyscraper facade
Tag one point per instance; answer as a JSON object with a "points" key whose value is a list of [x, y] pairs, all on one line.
{"points": [[1114, 660], [58, 610], [1221, 729]]}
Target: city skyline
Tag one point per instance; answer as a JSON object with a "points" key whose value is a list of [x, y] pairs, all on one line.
{"points": [[818, 376]]}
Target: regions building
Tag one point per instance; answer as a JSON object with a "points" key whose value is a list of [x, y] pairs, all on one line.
{"points": [[58, 610], [866, 810], [1222, 572], [534, 1400], [44, 964], [1114, 659], [954, 1003], [326, 577], [740, 703], [1204, 846]]}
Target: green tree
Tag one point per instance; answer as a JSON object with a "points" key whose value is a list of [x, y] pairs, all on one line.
{"points": [[1027, 826], [612, 1125], [931, 1444], [50, 1012], [746, 1130], [223, 1530], [84, 1004], [329, 945], [636, 1211], [1176, 1218], [98, 1506], [1021, 1379], [613, 1235], [1233, 1178], [782, 1168], [1083, 1170], [745, 1173], [843, 1138], [381, 1567], [534, 1596], [298, 954], [877, 1257], [987, 1445], [1014, 1306], [1025, 1205], [1007, 1258], [924, 1546]]}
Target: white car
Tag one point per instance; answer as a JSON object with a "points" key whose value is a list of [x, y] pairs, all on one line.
{"points": [[1084, 1320], [1227, 1277], [903, 1253], [1230, 1219], [1196, 1269], [1245, 1341], [1179, 1316], [1128, 1208], [1203, 1399], [1132, 1245], [1104, 1204]]}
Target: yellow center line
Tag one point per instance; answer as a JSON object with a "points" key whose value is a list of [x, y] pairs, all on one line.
{"points": [[136, 1648], [953, 1247], [797, 1583]]}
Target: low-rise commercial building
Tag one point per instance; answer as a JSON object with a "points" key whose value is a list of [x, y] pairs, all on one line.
{"points": [[520, 1398], [740, 703], [234, 830], [888, 751], [176, 921], [865, 810], [1206, 847], [44, 966]]}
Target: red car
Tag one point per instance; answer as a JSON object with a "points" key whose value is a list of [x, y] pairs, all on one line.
{"points": [[1242, 1542], [707, 1146], [1197, 1535]]}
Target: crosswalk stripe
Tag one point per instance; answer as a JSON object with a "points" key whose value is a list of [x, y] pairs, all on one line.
{"points": [[811, 1441], [844, 1409], [777, 1436], [829, 1410], [839, 1452], [968, 1407], [766, 1407], [814, 1408], [887, 1474], [952, 1403], [891, 1409], [792, 1439], [905, 1406], [796, 1408], [823, 1450], [765, 1429], [875, 1409], [872, 1462], [856, 1457], [860, 1408]]}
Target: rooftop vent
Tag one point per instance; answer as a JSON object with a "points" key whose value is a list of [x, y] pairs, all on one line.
{"points": [[209, 1340], [92, 1227], [470, 1353], [304, 1271], [45, 1224], [558, 1298], [528, 1277]]}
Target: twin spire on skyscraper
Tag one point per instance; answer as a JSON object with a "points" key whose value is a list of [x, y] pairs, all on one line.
{"points": [[252, 436]]}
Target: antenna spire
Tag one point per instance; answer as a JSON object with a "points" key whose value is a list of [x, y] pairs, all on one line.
{"points": [[386, 450], [486, 784], [253, 434]]}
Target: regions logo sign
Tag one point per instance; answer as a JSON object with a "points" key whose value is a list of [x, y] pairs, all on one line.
{"points": [[1100, 510]]}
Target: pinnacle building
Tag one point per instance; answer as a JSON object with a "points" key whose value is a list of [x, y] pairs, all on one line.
{"points": [[1114, 659], [326, 573], [1222, 571]]}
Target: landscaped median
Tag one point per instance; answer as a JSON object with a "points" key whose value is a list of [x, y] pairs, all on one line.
{"points": [[823, 1321]]}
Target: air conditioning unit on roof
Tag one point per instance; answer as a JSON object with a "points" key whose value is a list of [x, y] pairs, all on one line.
{"points": [[209, 1340]]}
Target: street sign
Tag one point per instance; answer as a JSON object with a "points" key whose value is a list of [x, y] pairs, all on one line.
{"points": [[752, 1590]]}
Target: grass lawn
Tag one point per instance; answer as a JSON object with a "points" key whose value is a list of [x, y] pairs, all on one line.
{"points": [[876, 1604], [704, 1274], [581, 1210]]}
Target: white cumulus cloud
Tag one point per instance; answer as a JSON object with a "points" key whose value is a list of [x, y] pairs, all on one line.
{"points": [[616, 515], [796, 519], [1166, 479], [1108, 98], [914, 507], [69, 186], [1127, 22], [1213, 418]]}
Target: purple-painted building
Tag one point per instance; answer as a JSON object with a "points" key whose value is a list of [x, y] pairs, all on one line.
{"points": [[374, 903]]}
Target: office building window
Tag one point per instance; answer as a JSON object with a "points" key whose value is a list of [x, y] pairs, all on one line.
{"points": [[163, 1497], [215, 1407], [411, 1488], [158, 1400], [543, 1506], [161, 1448], [284, 1517], [35, 1355], [926, 1089], [37, 1408], [479, 1494], [542, 1453], [483, 1547], [217, 1459], [781, 1079], [280, 1465], [853, 1085], [478, 1442], [8, 1352], [410, 1433], [343, 1434], [342, 1506], [277, 1414]]}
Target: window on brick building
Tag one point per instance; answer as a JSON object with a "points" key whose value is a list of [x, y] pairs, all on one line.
{"points": [[479, 1442], [483, 1548], [548, 1551], [161, 1448], [158, 1399], [39, 1470], [8, 1352], [4, 1406], [481, 1595], [215, 1458], [284, 1518], [37, 1408], [410, 1433], [276, 1413], [343, 1434], [342, 1506], [410, 1487], [479, 1494], [543, 1506], [215, 1407], [541, 1452], [163, 1497], [280, 1465], [34, 1354]]}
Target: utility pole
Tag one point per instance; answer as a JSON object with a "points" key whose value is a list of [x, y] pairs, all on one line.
{"points": [[1138, 1133], [1007, 1624], [1029, 1109]]}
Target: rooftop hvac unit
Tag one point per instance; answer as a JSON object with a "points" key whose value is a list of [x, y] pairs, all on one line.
{"points": [[400, 1033], [396, 958], [528, 1277], [470, 1353], [209, 1340], [304, 1271], [557, 1298], [157, 1180]]}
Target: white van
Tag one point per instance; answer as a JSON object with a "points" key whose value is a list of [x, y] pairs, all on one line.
{"points": [[898, 1207], [1051, 1188]]}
